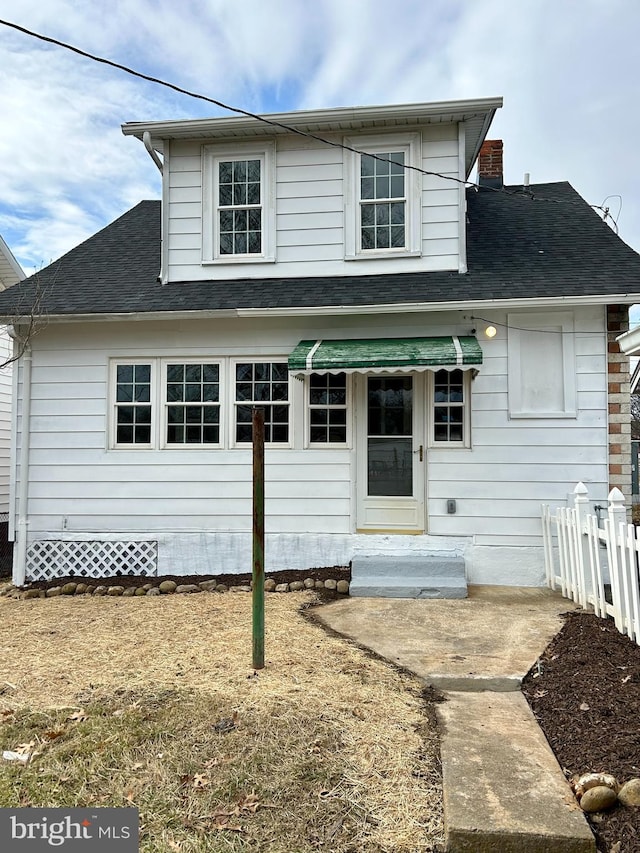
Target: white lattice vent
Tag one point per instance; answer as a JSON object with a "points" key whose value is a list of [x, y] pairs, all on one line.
{"points": [[51, 558]]}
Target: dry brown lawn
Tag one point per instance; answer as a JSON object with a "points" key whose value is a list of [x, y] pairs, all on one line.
{"points": [[326, 748]]}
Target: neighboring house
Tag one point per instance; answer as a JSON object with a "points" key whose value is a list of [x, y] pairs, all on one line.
{"points": [[10, 273], [349, 294]]}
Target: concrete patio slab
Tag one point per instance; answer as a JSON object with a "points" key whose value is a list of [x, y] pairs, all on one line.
{"points": [[487, 641]]}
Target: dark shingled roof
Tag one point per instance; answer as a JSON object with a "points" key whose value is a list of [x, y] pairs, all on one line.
{"points": [[553, 245]]}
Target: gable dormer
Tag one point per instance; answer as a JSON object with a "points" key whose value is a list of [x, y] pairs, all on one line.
{"points": [[317, 193]]}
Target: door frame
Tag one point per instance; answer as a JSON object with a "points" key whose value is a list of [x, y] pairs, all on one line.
{"points": [[392, 514]]}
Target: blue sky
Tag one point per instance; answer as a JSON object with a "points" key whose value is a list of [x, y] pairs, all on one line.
{"points": [[568, 71]]}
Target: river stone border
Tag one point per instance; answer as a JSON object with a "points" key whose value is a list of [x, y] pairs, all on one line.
{"points": [[168, 587]]}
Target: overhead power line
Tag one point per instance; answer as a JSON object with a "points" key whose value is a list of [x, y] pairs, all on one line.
{"points": [[283, 126]]}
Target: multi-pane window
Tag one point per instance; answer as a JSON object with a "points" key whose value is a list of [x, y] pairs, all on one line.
{"points": [[192, 402], [382, 201], [239, 207], [133, 404], [449, 406], [263, 384], [327, 408]]}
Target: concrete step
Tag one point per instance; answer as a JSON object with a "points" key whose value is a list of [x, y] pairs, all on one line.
{"points": [[503, 789], [415, 565], [414, 576], [413, 587]]}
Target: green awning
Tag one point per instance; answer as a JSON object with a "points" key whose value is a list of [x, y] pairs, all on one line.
{"points": [[376, 355]]}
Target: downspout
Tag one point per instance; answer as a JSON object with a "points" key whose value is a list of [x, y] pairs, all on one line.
{"points": [[146, 139], [20, 556]]}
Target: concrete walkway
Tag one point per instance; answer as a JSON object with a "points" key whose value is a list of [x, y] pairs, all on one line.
{"points": [[503, 788]]}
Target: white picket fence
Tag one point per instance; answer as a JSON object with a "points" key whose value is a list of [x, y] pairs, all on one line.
{"points": [[586, 561]]}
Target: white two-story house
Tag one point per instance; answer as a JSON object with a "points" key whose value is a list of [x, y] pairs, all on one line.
{"points": [[434, 359]]}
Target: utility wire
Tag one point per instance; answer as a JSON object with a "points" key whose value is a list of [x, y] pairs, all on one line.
{"points": [[274, 123]]}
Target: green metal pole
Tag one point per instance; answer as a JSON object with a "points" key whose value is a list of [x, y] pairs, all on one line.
{"points": [[257, 420]]}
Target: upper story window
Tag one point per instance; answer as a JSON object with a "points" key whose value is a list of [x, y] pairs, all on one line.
{"points": [[383, 197], [238, 206], [383, 205]]}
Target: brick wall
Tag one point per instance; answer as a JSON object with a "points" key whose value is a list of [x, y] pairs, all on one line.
{"points": [[619, 403]]}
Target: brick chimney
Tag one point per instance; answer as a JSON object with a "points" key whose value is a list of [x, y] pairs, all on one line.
{"points": [[490, 164]]}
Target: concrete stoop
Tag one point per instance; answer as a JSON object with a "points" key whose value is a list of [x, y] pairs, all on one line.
{"points": [[415, 576], [503, 788]]}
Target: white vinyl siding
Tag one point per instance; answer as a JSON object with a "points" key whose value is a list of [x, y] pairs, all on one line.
{"points": [[80, 486], [309, 225], [5, 419]]}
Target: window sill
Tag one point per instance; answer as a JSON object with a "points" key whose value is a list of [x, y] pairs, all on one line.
{"points": [[380, 254], [238, 259]]}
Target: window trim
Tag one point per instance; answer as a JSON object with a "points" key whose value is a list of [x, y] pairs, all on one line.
{"points": [[466, 410], [321, 445], [233, 442], [164, 444], [411, 145], [113, 443], [211, 156]]}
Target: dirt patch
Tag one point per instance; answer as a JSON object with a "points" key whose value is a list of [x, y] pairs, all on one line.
{"points": [[586, 697]]}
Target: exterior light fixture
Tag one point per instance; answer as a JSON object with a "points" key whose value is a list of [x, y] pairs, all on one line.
{"points": [[491, 331]]}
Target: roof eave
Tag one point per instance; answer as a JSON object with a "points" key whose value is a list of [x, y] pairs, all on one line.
{"points": [[326, 119]]}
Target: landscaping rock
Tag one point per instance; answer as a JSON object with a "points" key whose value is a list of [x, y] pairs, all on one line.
{"points": [[68, 588], [592, 780], [186, 587], [343, 587], [100, 590], [31, 593], [629, 794], [6, 588], [309, 583], [241, 588], [147, 587], [221, 587], [90, 589], [153, 591], [282, 587], [81, 588], [296, 586], [53, 592], [269, 585], [208, 586], [330, 583], [140, 590], [597, 799], [168, 586], [319, 584], [115, 590], [129, 592]]}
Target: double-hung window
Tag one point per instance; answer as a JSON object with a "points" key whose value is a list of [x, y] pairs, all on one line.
{"points": [[132, 409], [383, 196], [238, 203], [192, 403], [450, 409], [264, 384], [327, 408]]}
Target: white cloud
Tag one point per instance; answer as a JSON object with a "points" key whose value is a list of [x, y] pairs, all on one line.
{"points": [[568, 72]]}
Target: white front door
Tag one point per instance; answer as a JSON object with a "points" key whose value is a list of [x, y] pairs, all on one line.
{"points": [[390, 443]]}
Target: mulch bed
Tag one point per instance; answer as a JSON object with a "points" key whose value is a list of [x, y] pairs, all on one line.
{"points": [[586, 698], [284, 576]]}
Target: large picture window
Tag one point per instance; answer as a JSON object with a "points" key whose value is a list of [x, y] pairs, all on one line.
{"points": [[263, 384]]}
